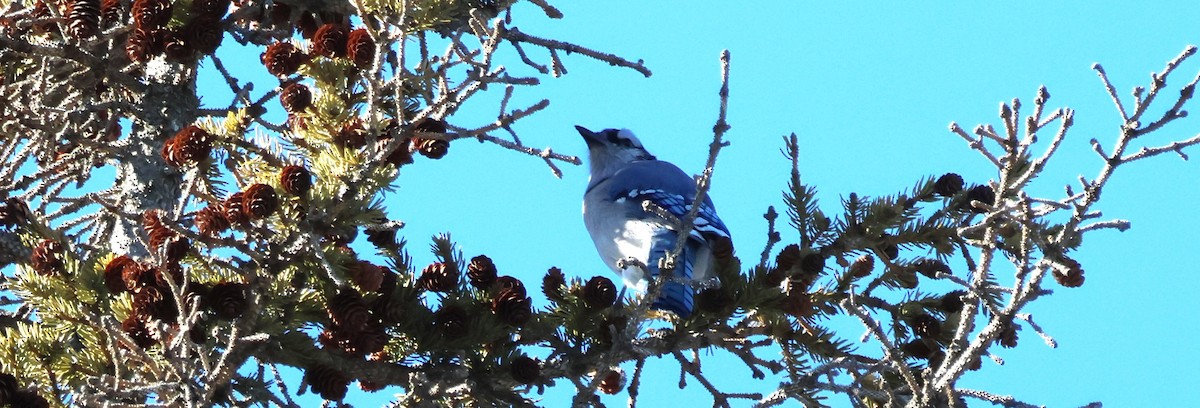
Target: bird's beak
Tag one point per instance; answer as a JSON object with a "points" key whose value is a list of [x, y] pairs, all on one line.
{"points": [[590, 137]]}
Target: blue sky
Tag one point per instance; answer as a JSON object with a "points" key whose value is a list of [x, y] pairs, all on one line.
{"points": [[870, 88]]}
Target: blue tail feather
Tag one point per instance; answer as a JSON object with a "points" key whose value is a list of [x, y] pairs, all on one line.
{"points": [[673, 296]]}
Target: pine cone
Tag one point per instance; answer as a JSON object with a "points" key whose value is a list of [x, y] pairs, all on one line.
{"points": [[190, 144], [525, 370], [554, 284], [367, 276], [926, 326], [599, 293], [431, 148], [1008, 336], [28, 399], [811, 266], [862, 266], [227, 299], [612, 383], [13, 212], [451, 321], [280, 15], [438, 277], [931, 267], [327, 382], [85, 18], [141, 45], [788, 257], [401, 155], [177, 248], [136, 329], [151, 15], [512, 308], [155, 229], [136, 276], [173, 270], [234, 209], [283, 59], [111, 13], [797, 302], [952, 302], [1069, 274], [114, 273], [506, 282], [330, 41], [47, 258], [259, 201], [430, 125], [981, 193], [296, 180], [481, 272], [176, 47], [210, 222], [155, 303], [361, 48], [295, 98], [348, 311], [307, 24], [203, 35], [352, 135], [948, 185]]}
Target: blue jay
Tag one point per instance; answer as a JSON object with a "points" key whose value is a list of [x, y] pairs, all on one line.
{"points": [[623, 176]]}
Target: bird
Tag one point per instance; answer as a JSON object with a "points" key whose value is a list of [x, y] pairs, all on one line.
{"points": [[623, 176]]}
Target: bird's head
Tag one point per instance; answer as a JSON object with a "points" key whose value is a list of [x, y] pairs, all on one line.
{"points": [[611, 149]]}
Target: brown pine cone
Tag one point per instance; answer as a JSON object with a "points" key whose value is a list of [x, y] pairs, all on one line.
{"points": [[234, 209], [111, 13], [862, 266], [209, 10], [722, 249], [330, 41], [361, 48], [202, 35], [85, 18], [797, 302], [382, 238], [930, 267], [367, 276], [612, 383], [136, 329], [917, 349], [177, 248], [402, 155], [296, 180], [151, 15], [283, 59], [348, 311], [506, 282], [713, 300], [1008, 336], [430, 125], [327, 382], [525, 370], [431, 148], [173, 270], [210, 222], [451, 321], [227, 299], [141, 45], [259, 201], [47, 258], [788, 257], [8, 387], [352, 135], [114, 273], [438, 277], [158, 232], [176, 47], [948, 185], [295, 97], [137, 276], [599, 293], [307, 24], [481, 272], [511, 308], [982, 193], [1069, 274], [554, 284], [191, 144], [14, 212], [155, 303]]}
